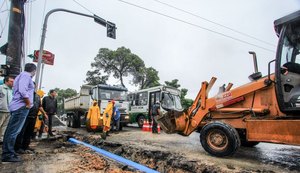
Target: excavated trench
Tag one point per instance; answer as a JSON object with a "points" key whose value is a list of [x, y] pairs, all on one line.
{"points": [[162, 161]]}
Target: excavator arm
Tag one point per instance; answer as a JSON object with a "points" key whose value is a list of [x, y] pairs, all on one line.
{"points": [[185, 123]]}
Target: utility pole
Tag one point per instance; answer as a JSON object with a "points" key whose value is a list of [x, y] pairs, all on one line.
{"points": [[15, 37]]}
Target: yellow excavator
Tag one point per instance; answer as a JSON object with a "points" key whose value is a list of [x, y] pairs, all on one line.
{"points": [[265, 110]]}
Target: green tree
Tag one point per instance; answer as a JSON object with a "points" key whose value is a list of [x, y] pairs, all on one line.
{"points": [[63, 94], [185, 102], [146, 78], [94, 77], [174, 83], [120, 63]]}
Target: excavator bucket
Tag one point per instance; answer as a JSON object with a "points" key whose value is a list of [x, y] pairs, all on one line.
{"points": [[172, 121]]}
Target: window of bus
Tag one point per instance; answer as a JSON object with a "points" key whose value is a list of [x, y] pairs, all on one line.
{"points": [[141, 99], [130, 98], [170, 101]]}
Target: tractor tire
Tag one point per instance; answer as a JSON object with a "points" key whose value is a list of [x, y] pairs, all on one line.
{"points": [[140, 121], [68, 122], [249, 143], [219, 139]]}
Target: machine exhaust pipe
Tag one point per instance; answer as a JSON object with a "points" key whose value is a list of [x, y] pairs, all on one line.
{"points": [[254, 61]]}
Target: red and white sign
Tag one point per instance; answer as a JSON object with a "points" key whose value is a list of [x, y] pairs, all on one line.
{"points": [[48, 57]]}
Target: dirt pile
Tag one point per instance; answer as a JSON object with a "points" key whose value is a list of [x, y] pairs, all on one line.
{"points": [[58, 155]]}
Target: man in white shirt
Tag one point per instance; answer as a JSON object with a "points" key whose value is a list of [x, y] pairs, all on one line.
{"points": [[5, 99]]}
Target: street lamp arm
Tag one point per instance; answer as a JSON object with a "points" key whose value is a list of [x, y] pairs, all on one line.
{"points": [[95, 17]]}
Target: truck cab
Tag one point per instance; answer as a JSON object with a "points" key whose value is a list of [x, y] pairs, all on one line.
{"points": [[105, 93]]}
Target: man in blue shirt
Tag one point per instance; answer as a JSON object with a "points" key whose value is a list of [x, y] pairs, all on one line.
{"points": [[116, 119], [19, 107]]}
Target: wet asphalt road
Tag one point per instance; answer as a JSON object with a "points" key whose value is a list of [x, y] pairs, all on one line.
{"points": [[263, 157]]}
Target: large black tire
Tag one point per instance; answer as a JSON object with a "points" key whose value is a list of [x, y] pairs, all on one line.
{"points": [[76, 120], [219, 139], [69, 121], [140, 120]]}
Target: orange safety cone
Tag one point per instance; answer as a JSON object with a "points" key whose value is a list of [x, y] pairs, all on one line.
{"points": [[145, 126], [158, 128]]}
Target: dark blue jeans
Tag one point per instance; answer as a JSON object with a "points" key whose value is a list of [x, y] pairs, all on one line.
{"points": [[14, 127]]}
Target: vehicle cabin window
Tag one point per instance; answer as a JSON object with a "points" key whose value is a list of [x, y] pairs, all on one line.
{"points": [[130, 99], [290, 57], [287, 52], [95, 93], [141, 99]]}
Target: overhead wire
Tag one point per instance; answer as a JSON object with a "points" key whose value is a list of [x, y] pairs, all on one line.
{"points": [[83, 7], [43, 16], [208, 20], [30, 24], [196, 25]]}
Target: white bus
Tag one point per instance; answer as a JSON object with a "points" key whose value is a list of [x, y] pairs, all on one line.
{"points": [[140, 102]]}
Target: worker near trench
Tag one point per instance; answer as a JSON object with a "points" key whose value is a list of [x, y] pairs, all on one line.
{"points": [[93, 116], [40, 125], [107, 116]]}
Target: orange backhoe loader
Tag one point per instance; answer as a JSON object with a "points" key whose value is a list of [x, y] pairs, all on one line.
{"points": [[265, 110]]}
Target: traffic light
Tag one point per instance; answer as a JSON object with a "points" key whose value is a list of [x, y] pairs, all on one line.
{"points": [[4, 70], [111, 29]]}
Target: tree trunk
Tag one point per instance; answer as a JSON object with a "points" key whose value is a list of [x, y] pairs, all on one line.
{"points": [[121, 79]]}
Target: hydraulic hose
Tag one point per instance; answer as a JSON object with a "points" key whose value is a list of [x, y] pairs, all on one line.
{"points": [[115, 157]]}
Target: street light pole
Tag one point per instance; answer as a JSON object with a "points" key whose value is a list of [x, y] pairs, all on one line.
{"points": [[38, 71]]}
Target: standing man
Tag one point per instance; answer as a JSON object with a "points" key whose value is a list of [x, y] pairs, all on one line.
{"points": [[19, 107], [24, 137], [50, 107], [155, 111], [116, 119], [5, 99]]}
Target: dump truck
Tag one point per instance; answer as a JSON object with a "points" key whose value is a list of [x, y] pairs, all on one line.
{"points": [[77, 107], [267, 109]]}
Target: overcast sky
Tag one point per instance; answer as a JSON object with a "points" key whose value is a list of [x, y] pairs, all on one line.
{"points": [[178, 50]]}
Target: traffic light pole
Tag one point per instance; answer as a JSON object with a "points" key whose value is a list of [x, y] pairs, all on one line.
{"points": [[38, 72], [15, 37]]}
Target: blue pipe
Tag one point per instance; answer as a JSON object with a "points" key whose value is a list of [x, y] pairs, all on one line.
{"points": [[115, 157]]}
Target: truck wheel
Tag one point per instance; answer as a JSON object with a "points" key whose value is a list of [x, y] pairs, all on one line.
{"points": [[68, 122], [140, 121], [71, 121], [219, 139], [76, 120]]}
